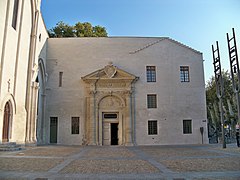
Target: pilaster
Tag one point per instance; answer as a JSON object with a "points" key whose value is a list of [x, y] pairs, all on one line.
{"points": [[129, 141], [110, 91], [92, 114]]}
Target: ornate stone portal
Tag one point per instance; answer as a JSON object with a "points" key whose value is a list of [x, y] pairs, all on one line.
{"points": [[109, 107]]}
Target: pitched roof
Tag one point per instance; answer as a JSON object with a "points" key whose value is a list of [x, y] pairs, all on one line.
{"points": [[119, 45]]}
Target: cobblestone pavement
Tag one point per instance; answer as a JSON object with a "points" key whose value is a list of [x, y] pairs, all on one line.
{"points": [[179, 162]]}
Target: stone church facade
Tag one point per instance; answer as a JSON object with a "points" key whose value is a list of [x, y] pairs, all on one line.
{"points": [[23, 53], [96, 91]]}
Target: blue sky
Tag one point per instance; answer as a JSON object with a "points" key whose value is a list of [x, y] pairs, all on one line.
{"points": [[196, 23]]}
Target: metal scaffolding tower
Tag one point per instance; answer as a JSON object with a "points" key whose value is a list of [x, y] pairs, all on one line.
{"points": [[233, 58], [219, 87]]}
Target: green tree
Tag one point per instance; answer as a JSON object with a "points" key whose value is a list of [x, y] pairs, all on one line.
{"points": [[229, 102], [99, 31], [62, 30], [78, 30], [83, 29]]}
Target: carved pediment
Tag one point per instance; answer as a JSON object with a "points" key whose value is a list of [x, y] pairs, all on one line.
{"points": [[109, 72], [110, 102]]}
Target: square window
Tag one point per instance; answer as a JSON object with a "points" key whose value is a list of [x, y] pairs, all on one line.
{"points": [[152, 101], [152, 127], [151, 73], [187, 126], [184, 74], [75, 125]]}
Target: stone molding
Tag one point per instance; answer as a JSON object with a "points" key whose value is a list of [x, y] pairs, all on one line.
{"points": [[110, 89]]}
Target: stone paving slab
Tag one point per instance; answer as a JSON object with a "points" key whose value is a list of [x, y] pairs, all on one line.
{"points": [[14, 178], [55, 151], [30, 164], [109, 152], [199, 165], [231, 149], [166, 152], [109, 166], [223, 178], [185, 162]]}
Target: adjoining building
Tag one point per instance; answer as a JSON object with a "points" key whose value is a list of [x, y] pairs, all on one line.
{"points": [[125, 91], [96, 91], [22, 51]]}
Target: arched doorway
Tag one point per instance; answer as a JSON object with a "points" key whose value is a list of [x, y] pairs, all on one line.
{"points": [[110, 106], [7, 122], [111, 128], [41, 101]]}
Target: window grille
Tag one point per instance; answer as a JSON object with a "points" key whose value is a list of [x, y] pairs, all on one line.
{"points": [[152, 101], [151, 73], [184, 74], [75, 125], [187, 126], [152, 127]]}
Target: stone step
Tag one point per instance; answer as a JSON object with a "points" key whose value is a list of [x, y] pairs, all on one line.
{"points": [[10, 146]]}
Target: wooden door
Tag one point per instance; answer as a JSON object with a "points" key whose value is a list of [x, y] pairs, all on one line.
{"points": [[53, 129], [6, 122], [106, 133]]}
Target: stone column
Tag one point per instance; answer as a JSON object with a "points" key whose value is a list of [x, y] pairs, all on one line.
{"points": [[29, 116], [100, 127], [128, 126], [97, 122], [40, 119], [92, 115], [133, 116], [32, 115], [29, 90], [34, 112]]}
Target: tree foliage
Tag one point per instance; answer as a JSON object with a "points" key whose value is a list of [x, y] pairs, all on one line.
{"points": [[229, 102], [78, 30]]}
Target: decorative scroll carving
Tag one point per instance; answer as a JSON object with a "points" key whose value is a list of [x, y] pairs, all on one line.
{"points": [[92, 92], [110, 70], [111, 101]]}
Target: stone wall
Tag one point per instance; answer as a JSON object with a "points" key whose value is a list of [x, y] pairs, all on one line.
{"points": [[176, 100]]}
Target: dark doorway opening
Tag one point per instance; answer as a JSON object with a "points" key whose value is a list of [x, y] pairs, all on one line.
{"points": [[114, 133], [53, 129]]}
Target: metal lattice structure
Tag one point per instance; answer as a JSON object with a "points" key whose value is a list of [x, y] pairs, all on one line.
{"points": [[219, 87], [234, 65]]}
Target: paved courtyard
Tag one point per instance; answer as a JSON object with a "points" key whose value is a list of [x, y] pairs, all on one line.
{"points": [[198, 162]]}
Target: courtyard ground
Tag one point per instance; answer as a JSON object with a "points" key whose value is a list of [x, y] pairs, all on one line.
{"points": [[179, 162]]}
